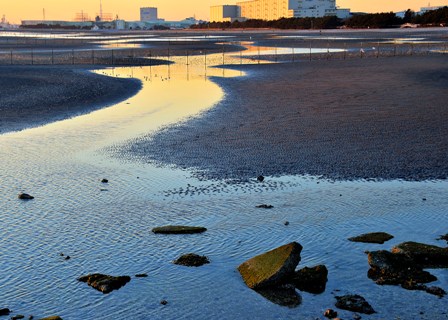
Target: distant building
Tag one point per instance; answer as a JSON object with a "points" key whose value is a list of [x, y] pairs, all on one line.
{"points": [[224, 13], [267, 9], [276, 9], [315, 8], [57, 24], [148, 14], [426, 9]]}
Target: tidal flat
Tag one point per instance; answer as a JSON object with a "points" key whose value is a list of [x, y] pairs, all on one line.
{"points": [[363, 152]]}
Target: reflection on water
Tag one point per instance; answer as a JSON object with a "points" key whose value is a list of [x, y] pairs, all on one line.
{"points": [[106, 227]]}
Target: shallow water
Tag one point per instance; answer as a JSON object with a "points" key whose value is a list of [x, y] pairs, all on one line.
{"points": [[109, 231]]}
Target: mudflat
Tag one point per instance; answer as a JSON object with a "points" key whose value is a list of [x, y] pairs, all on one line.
{"points": [[371, 118], [33, 96]]}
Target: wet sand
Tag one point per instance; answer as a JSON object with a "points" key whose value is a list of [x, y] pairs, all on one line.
{"points": [[359, 119], [33, 96]]}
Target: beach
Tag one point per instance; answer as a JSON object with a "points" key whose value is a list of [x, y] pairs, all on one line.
{"points": [[34, 96], [358, 119]]}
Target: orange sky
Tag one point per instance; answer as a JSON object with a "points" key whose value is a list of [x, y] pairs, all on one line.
{"points": [[16, 10]]}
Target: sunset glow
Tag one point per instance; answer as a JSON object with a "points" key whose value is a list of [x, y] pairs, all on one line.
{"points": [[18, 10]]}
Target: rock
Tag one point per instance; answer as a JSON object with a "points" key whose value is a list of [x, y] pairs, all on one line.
{"points": [[265, 206], [444, 237], [52, 318], [425, 255], [374, 237], [4, 311], [388, 268], [104, 181], [25, 196], [191, 260], [178, 230], [67, 258], [141, 275], [17, 317], [354, 303], [285, 295], [312, 280], [436, 291], [271, 268], [286, 223], [330, 314], [260, 178], [164, 302], [105, 283]]}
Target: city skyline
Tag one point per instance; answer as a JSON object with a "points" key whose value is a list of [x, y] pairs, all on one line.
{"points": [[168, 9]]}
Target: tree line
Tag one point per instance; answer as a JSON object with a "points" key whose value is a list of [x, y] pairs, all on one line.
{"points": [[437, 17]]}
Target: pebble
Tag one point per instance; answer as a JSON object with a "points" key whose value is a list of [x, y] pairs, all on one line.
{"points": [[164, 302]]}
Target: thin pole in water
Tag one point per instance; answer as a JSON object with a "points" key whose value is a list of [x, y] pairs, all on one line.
{"points": [[11, 57], [73, 56], [52, 56], [310, 50]]}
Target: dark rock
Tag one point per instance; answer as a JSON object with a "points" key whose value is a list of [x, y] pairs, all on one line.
{"points": [[444, 237], [164, 302], [4, 311], [67, 258], [260, 178], [285, 295], [25, 196], [374, 237], [178, 230], [412, 285], [436, 291], [104, 181], [425, 255], [272, 268], [17, 317], [388, 268], [286, 223], [330, 314], [312, 280], [354, 303], [141, 275], [105, 283], [192, 260], [265, 206], [52, 318]]}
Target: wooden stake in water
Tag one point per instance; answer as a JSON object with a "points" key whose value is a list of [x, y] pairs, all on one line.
{"points": [[223, 50], [73, 56], [310, 50]]}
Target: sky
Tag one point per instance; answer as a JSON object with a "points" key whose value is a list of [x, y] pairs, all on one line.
{"points": [[17, 10]]}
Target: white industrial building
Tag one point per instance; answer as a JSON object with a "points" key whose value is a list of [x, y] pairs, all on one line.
{"points": [[276, 9], [148, 14]]}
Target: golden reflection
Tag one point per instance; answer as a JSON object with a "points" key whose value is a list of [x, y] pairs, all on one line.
{"points": [[170, 93]]}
